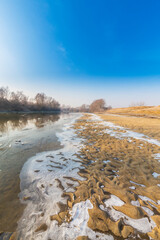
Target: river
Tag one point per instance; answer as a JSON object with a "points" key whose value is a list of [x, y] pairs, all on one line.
{"points": [[22, 136]]}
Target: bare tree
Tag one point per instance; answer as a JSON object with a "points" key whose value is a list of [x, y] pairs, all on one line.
{"points": [[4, 92], [18, 101], [18, 97], [40, 99], [44, 102], [54, 104], [97, 105], [84, 108], [138, 104]]}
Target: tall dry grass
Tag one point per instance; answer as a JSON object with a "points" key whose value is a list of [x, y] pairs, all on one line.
{"points": [[145, 111]]}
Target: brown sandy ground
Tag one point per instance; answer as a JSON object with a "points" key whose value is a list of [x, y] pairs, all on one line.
{"points": [[144, 111], [128, 161]]}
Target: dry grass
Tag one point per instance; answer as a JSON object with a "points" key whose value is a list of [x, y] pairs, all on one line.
{"points": [[145, 111], [147, 126]]}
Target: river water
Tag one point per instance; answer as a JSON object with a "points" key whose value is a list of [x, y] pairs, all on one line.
{"points": [[22, 137]]}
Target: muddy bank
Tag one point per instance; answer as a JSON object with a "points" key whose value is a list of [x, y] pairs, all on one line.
{"points": [[122, 185]]}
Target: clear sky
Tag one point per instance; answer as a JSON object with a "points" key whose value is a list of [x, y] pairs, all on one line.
{"points": [[80, 50]]}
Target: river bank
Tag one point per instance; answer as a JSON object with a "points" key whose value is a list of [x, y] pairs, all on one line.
{"points": [[123, 181], [103, 184], [122, 184]]}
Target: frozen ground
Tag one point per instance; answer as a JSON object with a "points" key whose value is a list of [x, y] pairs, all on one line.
{"points": [[40, 190]]}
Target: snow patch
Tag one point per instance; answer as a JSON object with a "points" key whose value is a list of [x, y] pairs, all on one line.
{"points": [[143, 225], [137, 184], [157, 156], [132, 187], [106, 161], [155, 175], [144, 198], [135, 203], [114, 201]]}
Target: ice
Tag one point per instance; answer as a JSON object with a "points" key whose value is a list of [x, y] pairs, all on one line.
{"points": [[157, 156], [148, 211], [144, 198], [143, 225], [106, 161], [137, 184], [114, 201], [80, 215], [135, 203], [155, 175], [132, 187]]}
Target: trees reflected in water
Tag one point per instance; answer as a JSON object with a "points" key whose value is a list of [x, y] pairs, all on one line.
{"points": [[10, 122]]}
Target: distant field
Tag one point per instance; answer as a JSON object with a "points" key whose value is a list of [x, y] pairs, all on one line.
{"points": [[144, 111], [145, 123]]}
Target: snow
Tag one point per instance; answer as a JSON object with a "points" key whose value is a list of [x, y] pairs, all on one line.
{"points": [[114, 201], [137, 184], [157, 156], [135, 203], [106, 161], [132, 187], [144, 198], [148, 211], [155, 175], [143, 225]]}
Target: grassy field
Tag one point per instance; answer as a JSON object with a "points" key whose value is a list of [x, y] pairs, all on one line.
{"points": [[147, 126], [144, 111]]}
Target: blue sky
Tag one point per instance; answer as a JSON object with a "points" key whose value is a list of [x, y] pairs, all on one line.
{"points": [[80, 50]]}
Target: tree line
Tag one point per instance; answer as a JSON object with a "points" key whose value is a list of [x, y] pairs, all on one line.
{"points": [[98, 105], [18, 101]]}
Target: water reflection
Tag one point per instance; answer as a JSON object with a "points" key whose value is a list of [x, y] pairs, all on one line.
{"points": [[10, 122], [21, 137]]}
